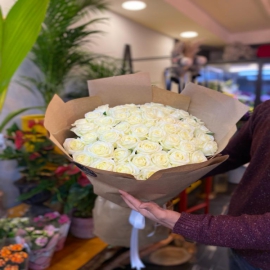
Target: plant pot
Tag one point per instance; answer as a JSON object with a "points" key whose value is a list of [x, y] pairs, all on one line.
{"points": [[41, 258], [63, 232], [25, 186], [82, 227], [9, 173]]}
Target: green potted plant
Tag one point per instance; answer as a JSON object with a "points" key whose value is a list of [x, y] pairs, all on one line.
{"points": [[37, 161], [75, 192], [58, 52]]}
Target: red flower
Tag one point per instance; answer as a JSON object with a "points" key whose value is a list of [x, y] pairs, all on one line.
{"points": [[70, 169], [19, 140], [83, 180], [34, 156], [32, 123]]}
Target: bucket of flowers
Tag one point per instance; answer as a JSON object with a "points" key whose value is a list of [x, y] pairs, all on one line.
{"points": [[13, 257], [42, 243], [58, 221]]}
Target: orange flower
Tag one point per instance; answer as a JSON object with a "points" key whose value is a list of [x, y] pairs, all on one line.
{"points": [[2, 262], [5, 252], [24, 254], [16, 258], [16, 247], [11, 267]]}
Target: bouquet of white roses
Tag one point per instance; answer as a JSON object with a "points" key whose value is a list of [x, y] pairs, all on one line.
{"points": [[143, 133], [139, 139]]}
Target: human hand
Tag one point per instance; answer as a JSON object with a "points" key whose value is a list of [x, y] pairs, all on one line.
{"points": [[151, 210]]}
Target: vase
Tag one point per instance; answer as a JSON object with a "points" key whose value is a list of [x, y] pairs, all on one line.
{"points": [[26, 186], [82, 227], [41, 258], [63, 232]]}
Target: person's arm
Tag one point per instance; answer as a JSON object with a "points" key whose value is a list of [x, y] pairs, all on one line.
{"points": [[242, 232], [238, 150]]}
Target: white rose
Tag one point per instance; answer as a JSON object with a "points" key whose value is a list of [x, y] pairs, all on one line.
{"points": [[178, 158], [156, 134], [123, 127], [181, 125], [102, 109], [209, 148], [104, 164], [152, 114], [171, 128], [135, 119], [204, 137], [197, 157], [198, 143], [110, 136], [185, 135], [106, 121], [179, 114], [80, 130], [191, 121], [146, 173], [73, 145], [119, 113], [186, 146], [150, 123], [100, 149], [83, 158], [204, 129], [168, 119], [148, 147], [104, 129], [128, 141], [89, 137], [139, 131], [171, 141], [121, 154], [141, 160], [128, 168], [80, 122], [90, 116], [161, 159]]}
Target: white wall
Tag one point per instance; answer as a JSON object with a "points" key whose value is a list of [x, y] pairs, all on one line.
{"points": [[144, 43]]}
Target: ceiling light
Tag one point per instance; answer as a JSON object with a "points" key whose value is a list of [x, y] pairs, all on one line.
{"points": [[133, 5], [189, 34]]}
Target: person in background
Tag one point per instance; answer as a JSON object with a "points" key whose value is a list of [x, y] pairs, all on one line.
{"points": [[246, 227], [184, 59]]}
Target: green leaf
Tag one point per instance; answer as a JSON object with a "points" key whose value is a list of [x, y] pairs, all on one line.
{"points": [[11, 115], [18, 33], [210, 133]]}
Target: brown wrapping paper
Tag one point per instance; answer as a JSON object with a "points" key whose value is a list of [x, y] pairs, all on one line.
{"points": [[112, 226], [219, 112]]}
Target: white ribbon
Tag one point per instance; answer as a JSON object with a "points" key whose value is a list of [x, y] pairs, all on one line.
{"points": [[137, 220]]}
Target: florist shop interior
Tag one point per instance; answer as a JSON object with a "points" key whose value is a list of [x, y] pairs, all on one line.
{"points": [[129, 132]]}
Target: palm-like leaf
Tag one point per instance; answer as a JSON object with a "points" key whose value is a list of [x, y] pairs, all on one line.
{"points": [[18, 33], [58, 49]]}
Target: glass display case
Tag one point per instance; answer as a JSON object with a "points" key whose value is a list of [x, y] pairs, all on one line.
{"points": [[248, 81]]}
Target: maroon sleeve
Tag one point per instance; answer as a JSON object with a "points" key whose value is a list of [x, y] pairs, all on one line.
{"points": [[242, 232]]}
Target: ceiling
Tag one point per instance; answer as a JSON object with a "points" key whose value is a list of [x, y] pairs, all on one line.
{"points": [[217, 21], [237, 15]]}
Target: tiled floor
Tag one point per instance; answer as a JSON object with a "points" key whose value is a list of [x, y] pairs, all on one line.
{"points": [[207, 257]]}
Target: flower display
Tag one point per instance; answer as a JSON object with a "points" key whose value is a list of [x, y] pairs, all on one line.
{"points": [[139, 139], [13, 257]]}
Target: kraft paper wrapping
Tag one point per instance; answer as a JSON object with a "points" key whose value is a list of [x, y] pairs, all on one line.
{"points": [[112, 226], [219, 112]]}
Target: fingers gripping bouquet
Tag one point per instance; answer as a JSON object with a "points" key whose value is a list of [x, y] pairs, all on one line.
{"points": [[139, 139], [143, 133]]}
